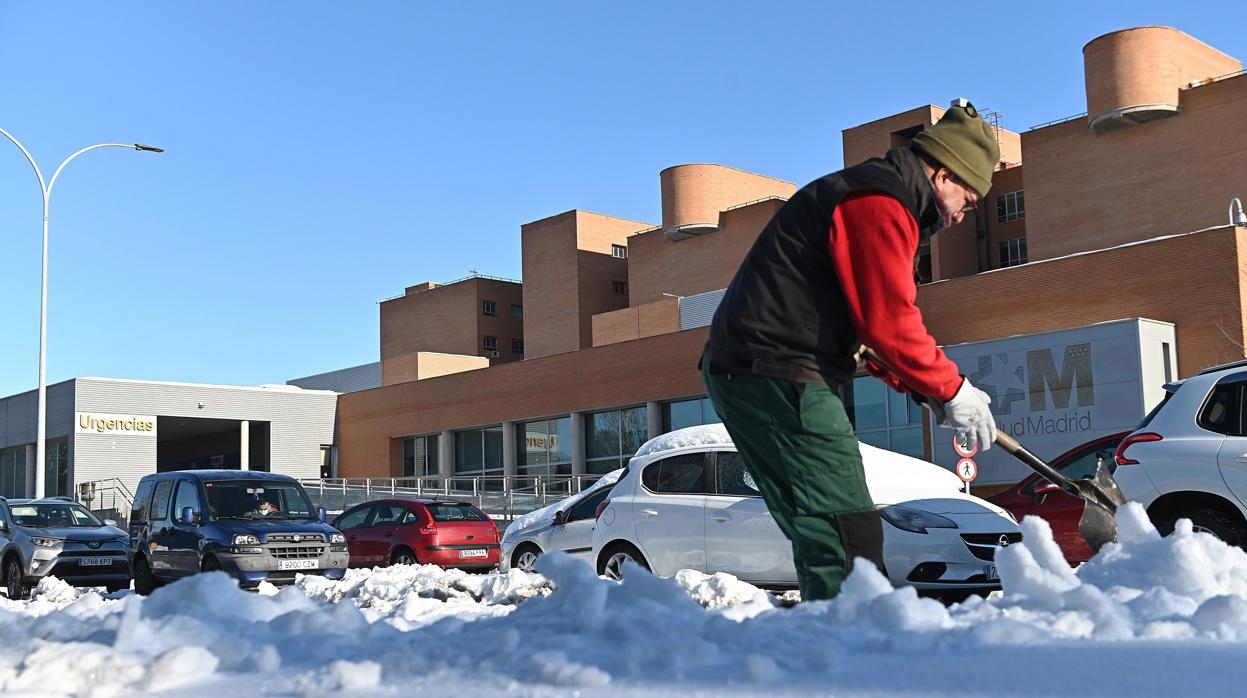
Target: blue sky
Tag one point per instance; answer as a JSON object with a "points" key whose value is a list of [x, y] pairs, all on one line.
{"points": [[322, 156]]}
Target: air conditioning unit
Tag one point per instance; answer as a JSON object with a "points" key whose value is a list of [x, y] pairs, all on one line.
{"points": [[493, 354]]}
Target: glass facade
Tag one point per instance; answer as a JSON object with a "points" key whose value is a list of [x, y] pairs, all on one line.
{"points": [[612, 437], [479, 452], [420, 455], [688, 413], [13, 472], [883, 417], [544, 447]]}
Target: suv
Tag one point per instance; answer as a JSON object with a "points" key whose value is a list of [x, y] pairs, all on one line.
{"points": [[419, 532], [256, 526], [58, 537], [1188, 458]]}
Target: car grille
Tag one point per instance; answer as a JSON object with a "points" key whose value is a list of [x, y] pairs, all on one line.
{"points": [[984, 545], [303, 552], [295, 538]]}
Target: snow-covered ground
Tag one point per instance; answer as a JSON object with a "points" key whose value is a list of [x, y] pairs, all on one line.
{"points": [[1147, 617]]}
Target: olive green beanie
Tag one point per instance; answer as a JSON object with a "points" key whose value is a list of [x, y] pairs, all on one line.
{"points": [[965, 144]]}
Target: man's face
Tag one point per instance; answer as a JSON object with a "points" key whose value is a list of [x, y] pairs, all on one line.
{"points": [[264, 506], [956, 199]]}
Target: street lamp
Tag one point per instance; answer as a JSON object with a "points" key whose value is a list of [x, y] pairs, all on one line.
{"points": [[46, 188]]}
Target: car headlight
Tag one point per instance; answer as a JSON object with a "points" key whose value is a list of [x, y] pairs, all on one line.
{"points": [[337, 538], [246, 539], [119, 539], [915, 520], [46, 542]]}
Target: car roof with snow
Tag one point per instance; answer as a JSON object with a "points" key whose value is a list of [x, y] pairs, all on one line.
{"points": [[220, 474]]}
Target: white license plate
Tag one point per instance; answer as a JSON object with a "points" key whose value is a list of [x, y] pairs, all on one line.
{"points": [[473, 553], [94, 561], [296, 564], [992, 574]]}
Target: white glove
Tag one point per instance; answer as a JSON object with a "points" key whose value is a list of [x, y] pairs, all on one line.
{"points": [[968, 414]]}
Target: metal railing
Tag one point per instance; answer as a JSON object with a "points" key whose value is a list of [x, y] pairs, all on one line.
{"points": [[1054, 122], [503, 497], [109, 498]]}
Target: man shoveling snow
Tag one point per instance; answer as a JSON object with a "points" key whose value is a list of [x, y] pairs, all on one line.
{"points": [[833, 270]]}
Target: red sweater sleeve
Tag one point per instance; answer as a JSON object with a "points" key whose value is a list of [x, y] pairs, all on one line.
{"points": [[872, 242]]}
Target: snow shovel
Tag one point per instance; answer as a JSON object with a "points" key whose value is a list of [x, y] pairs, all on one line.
{"points": [[1098, 524]]}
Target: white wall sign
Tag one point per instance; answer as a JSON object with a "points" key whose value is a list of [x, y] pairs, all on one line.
{"points": [[99, 423]]}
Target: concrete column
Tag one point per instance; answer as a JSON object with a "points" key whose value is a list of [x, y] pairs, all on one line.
{"points": [[244, 444], [578, 443], [653, 412], [30, 469], [509, 451], [446, 453]]}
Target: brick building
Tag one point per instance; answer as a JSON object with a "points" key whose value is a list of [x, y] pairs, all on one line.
{"points": [[1116, 213]]}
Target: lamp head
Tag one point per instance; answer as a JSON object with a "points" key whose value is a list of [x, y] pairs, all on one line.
{"points": [[148, 148]]}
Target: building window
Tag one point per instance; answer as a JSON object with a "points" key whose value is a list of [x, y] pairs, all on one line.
{"points": [[517, 346], [619, 251], [612, 437], [420, 455], [1012, 252], [56, 470], [688, 413], [884, 418], [13, 472], [620, 287], [489, 308], [544, 447], [1010, 207], [517, 312], [478, 453], [490, 343]]}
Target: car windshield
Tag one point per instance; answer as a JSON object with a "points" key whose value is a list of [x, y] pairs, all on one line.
{"points": [[55, 516], [257, 499]]}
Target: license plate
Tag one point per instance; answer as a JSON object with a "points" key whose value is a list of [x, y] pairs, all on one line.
{"points": [[296, 564], [992, 574], [95, 561], [473, 553]]}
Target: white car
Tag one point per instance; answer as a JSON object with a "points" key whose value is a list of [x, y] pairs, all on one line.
{"points": [[1188, 458], [687, 501], [565, 526]]}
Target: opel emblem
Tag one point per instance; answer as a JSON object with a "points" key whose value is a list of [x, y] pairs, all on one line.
{"points": [[1004, 541], [297, 538]]}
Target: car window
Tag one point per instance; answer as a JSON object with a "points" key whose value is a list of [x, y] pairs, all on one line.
{"points": [[455, 512], [353, 519], [160, 500], [682, 474], [142, 503], [1082, 465], [587, 507], [187, 496], [1221, 411], [734, 479], [387, 514], [410, 517]]}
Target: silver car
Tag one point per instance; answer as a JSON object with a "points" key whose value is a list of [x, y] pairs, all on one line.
{"points": [[58, 537], [566, 526]]}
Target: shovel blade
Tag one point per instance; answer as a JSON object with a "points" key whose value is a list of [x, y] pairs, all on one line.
{"points": [[1098, 524]]}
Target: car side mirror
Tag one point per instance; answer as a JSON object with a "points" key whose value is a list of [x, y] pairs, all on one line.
{"points": [[321, 514], [560, 517], [188, 516], [1047, 488], [4, 527], [110, 522]]}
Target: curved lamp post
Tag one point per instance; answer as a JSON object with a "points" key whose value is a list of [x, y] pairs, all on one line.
{"points": [[46, 188]]}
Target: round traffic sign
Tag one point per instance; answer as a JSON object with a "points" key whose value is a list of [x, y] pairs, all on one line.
{"points": [[967, 470], [960, 447]]}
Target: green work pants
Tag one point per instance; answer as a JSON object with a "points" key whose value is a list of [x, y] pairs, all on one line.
{"points": [[797, 442]]}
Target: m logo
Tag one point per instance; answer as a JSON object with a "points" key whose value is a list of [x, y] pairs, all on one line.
{"points": [[1075, 375]]}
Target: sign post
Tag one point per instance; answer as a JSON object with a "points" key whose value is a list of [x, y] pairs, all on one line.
{"points": [[966, 468]]}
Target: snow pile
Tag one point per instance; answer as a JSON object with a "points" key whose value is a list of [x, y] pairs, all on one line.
{"points": [[548, 512], [1149, 616]]}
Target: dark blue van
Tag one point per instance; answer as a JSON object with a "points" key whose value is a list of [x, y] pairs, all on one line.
{"points": [[256, 526]]}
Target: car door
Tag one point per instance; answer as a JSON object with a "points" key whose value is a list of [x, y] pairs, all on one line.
{"points": [[351, 524], [186, 539], [161, 540], [1038, 497], [1232, 454], [379, 536], [575, 535], [742, 537], [670, 511]]}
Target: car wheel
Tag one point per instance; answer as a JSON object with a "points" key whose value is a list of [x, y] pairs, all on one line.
{"points": [[114, 588], [16, 586], [525, 558], [611, 563], [1220, 524], [403, 556], [144, 581]]}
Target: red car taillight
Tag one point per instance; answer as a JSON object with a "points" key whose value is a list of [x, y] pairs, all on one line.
{"points": [[601, 508], [1131, 440], [430, 528]]}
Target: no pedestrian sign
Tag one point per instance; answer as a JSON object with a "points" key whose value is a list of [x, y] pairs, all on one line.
{"points": [[967, 470]]}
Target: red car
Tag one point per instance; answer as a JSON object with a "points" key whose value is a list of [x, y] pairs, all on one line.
{"points": [[419, 531], [1035, 496]]}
